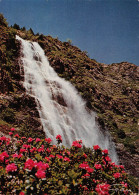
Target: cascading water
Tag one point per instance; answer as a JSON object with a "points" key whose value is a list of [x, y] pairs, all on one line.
{"points": [[62, 110]]}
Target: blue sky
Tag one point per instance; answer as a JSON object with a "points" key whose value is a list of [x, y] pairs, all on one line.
{"points": [[107, 29]]}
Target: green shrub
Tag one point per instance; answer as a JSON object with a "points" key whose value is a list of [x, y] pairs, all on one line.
{"points": [[35, 166], [3, 20]]}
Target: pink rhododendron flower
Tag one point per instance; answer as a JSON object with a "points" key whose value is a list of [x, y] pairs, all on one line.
{"points": [[105, 151], [95, 181], [68, 153], [23, 137], [11, 168], [104, 162], [5, 154], [96, 147], [3, 138], [30, 140], [10, 133], [22, 150], [102, 189], [48, 150], [26, 146], [59, 156], [40, 174], [20, 155], [108, 158], [66, 159], [16, 135], [1, 158], [33, 149], [84, 155], [20, 142], [12, 129], [15, 155], [29, 164], [38, 140], [6, 161], [21, 193], [51, 156], [47, 159], [42, 166], [80, 141], [89, 170], [85, 188], [54, 147], [117, 175], [113, 164], [121, 166], [41, 149], [59, 138], [76, 144], [124, 184], [7, 143], [97, 166], [86, 175], [48, 140], [84, 166]]}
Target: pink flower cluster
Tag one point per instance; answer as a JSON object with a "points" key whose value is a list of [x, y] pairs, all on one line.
{"points": [[59, 138], [77, 144], [102, 189], [39, 160], [3, 156], [48, 140], [11, 167], [96, 147], [97, 166], [39, 166], [85, 166]]}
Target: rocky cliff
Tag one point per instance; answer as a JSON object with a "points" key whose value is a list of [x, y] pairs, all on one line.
{"points": [[110, 90]]}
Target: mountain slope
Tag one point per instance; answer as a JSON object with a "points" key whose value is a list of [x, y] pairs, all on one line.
{"points": [[110, 90]]}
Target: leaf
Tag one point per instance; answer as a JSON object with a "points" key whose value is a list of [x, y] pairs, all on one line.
{"points": [[38, 157], [73, 182], [72, 174]]}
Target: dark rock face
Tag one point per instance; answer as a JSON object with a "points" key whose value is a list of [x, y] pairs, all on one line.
{"points": [[129, 160], [110, 90], [17, 108]]}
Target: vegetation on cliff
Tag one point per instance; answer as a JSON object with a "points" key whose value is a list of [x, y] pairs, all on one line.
{"points": [[110, 90]]}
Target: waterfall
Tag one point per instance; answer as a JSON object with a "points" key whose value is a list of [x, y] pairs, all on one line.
{"points": [[61, 109]]}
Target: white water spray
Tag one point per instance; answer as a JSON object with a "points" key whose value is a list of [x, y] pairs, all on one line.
{"points": [[62, 110]]}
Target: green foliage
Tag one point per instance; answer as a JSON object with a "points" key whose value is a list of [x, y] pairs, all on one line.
{"points": [[16, 26], [31, 31], [34, 166], [3, 20], [23, 28], [41, 37]]}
